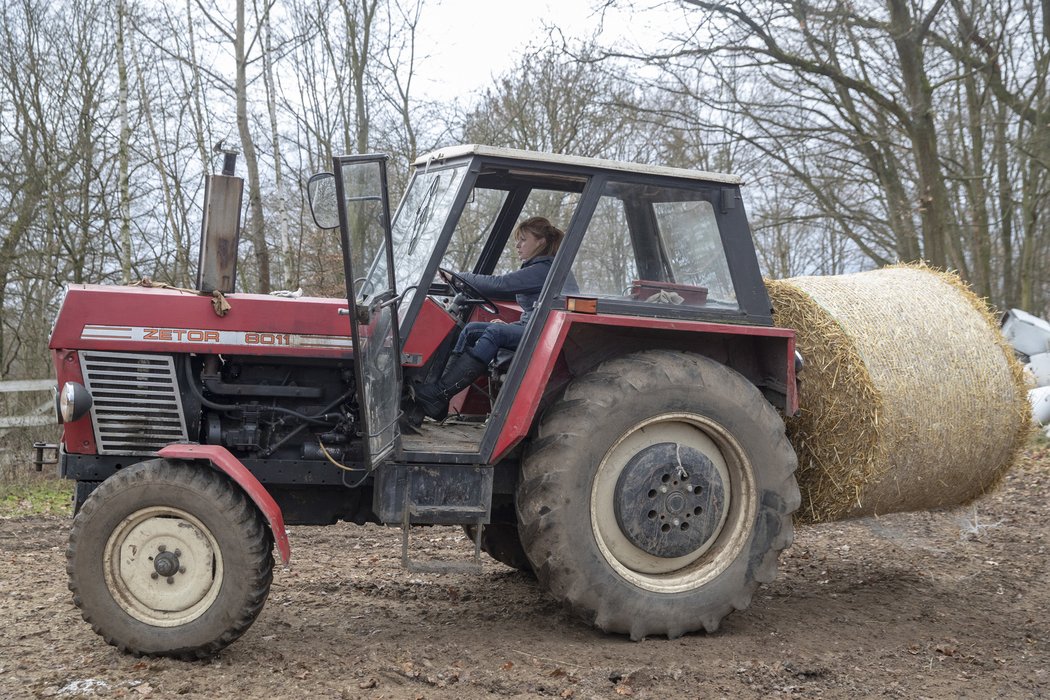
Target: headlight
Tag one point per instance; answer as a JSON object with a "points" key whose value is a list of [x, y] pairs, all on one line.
{"points": [[73, 402]]}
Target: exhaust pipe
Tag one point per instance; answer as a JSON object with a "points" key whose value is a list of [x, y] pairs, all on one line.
{"points": [[221, 227]]}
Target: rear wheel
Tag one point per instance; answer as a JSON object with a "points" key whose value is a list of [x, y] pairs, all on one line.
{"points": [[169, 559], [500, 540], [657, 494]]}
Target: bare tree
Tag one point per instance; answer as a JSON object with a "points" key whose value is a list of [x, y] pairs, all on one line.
{"points": [[557, 103], [125, 137], [58, 166], [906, 128], [256, 220]]}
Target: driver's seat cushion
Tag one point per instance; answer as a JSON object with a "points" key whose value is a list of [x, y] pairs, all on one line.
{"points": [[504, 356]]}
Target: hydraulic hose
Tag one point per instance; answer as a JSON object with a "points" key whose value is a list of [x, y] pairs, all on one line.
{"points": [[319, 419]]}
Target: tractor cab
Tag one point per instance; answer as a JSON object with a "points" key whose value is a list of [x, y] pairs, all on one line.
{"points": [[645, 242]]}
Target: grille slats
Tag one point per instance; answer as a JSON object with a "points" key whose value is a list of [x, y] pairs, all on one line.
{"points": [[152, 380], [137, 407]]}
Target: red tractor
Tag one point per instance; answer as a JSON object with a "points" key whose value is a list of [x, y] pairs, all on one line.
{"points": [[631, 452]]}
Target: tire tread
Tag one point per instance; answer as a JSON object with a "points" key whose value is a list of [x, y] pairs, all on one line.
{"points": [[244, 517], [550, 460]]}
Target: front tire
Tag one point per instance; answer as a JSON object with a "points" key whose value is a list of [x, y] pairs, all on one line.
{"points": [[169, 559], [657, 494]]}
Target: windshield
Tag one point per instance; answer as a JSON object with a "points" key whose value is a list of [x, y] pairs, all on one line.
{"points": [[416, 227]]}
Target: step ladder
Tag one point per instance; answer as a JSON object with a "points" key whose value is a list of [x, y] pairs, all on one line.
{"points": [[421, 494], [439, 566]]}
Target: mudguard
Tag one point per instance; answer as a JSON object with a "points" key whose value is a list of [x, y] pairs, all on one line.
{"points": [[223, 460]]}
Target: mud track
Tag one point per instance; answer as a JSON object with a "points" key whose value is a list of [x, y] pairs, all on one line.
{"points": [[943, 604]]}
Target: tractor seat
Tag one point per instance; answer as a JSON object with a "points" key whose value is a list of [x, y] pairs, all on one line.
{"points": [[501, 363], [498, 372]]}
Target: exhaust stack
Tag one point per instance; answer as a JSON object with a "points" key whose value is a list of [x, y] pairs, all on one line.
{"points": [[221, 227]]}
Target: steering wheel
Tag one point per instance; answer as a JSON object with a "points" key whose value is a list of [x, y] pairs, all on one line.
{"points": [[468, 292]]}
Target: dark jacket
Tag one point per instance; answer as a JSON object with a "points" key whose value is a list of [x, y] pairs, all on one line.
{"points": [[524, 284]]}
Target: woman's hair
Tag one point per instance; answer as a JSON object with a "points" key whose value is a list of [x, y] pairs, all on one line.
{"points": [[541, 227]]}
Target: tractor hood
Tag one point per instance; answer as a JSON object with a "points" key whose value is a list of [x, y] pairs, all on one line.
{"points": [[151, 319]]}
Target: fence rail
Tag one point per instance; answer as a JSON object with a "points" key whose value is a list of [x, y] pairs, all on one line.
{"points": [[41, 415]]}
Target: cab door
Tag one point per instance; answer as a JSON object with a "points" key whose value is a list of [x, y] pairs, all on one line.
{"points": [[364, 227]]}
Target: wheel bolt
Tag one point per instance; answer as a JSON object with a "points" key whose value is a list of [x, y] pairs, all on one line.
{"points": [[154, 575], [171, 579], [162, 548], [182, 569], [178, 552]]}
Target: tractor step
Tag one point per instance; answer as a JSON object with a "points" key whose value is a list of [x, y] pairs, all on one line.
{"points": [[414, 494], [442, 566], [433, 495], [419, 513]]}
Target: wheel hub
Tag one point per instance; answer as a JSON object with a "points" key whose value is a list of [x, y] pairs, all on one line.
{"points": [[162, 566], [166, 564], [669, 499]]}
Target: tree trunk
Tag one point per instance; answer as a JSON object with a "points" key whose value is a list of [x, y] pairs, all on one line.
{"points": [[256, 221], [939, 239], [125, 137], [288, 261]]}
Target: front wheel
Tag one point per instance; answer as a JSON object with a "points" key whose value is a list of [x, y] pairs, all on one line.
{"points": [[169, 559], [657, 494]]}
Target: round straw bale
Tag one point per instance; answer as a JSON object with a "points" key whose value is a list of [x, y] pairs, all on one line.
{"points": [[910, 399]]}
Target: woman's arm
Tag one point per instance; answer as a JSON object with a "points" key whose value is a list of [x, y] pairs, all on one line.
{"points": [[527, 280]]}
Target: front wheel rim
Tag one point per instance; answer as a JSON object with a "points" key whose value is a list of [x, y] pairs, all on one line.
{"points": [[730, 533], [163, 567]]}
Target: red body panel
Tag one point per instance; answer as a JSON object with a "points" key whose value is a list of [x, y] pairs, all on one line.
{"points": [[222, 459], [523, 409], [431, 327], [143, 319], [78, 436]]}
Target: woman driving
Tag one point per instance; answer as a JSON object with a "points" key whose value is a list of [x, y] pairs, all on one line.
{"points": [[536, 241]]}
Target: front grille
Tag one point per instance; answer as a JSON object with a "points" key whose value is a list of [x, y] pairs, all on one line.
{"points": [[136, 403]]}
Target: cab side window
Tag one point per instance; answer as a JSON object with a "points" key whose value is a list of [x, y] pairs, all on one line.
{"points": [[653, 244], [606, 264]]}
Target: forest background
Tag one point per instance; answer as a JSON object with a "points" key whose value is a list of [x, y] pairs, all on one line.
{"points": [[868, 131]]}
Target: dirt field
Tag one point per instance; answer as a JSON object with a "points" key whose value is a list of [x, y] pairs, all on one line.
{"points": [[945, 604]]}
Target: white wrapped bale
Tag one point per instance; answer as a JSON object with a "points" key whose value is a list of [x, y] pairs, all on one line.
{"points": [[1026, 333], [1039, 367], [910, 399], [1039, 398]]}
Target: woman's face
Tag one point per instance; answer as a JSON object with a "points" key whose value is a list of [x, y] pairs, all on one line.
{"points": [[528, 245]]}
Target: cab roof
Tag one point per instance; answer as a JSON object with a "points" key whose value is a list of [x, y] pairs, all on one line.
{"points": [[453, 152]]}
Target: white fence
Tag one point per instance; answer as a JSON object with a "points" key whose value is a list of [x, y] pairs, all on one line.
{"points": [[44, 414]]}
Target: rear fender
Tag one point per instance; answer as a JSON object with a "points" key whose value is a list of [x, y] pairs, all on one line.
{"points": [[763, 354], [222, 460]]}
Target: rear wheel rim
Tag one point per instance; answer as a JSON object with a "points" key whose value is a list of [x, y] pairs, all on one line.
{"points": [[729, 532], [162, 566]]}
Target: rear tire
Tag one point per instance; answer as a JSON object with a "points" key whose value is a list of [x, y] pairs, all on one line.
{"points": [[657, 494], [169, 559], [500, 539]]}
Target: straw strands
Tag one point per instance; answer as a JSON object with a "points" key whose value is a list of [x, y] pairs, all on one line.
{"points": [[910, 399]]}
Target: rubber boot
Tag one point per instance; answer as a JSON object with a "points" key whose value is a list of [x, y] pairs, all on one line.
{"points": [[460, 373]]}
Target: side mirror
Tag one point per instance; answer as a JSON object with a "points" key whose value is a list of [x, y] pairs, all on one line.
{"points": [[320, 189]]}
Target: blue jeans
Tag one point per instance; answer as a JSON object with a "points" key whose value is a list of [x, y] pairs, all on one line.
{"points": [[483, 338]]}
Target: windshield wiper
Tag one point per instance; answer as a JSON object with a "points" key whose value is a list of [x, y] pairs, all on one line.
{"points": [[422, 214]]}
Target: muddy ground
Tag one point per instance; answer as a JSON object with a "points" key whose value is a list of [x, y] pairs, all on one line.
{"points": [[942, 604]]}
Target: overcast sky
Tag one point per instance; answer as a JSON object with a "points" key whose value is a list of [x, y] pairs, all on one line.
{"points": [[469, 42]]}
